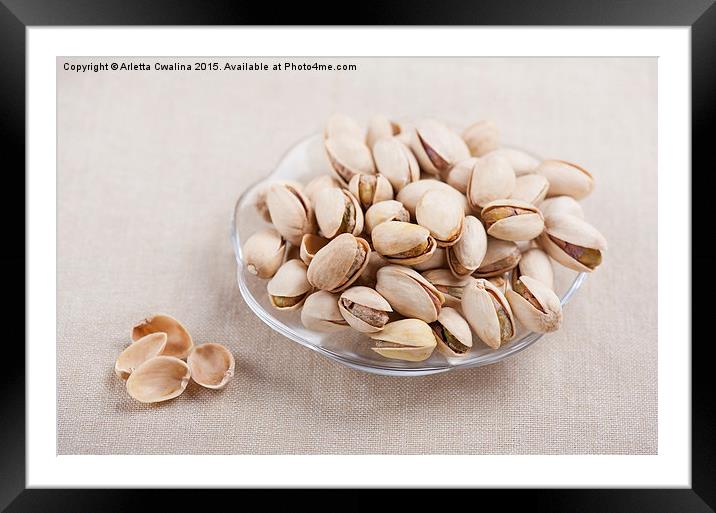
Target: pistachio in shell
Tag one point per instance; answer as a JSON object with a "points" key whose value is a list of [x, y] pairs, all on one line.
{"points": [[535, 305], [289, 287], [561, 205], [347, 157], [459, 175], [573, 242], [501, 256], [414, 191], [263, 252], [531, 188], [139, 352], [179, 341], [158, 379], [566, 178], [370, 189], [260, 198], [320, 312], [436, 147], [212, 365], [450, 286], [536, 264], [341, 125], [318, 184], [522, 162], [338, 211], [389, 210], [438, 260], [403, 243], [488, 312], [481, 137], [513, 220], [408, 293], [407, 339], [380, 127], [364, 309], [443, 217], [310, 245], [291, 212], [492, 178], [467, 254], [396, 162], [339, 263], [452, 333]]}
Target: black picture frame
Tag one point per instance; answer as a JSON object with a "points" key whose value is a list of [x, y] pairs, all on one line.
{"points": [[17, 15]]}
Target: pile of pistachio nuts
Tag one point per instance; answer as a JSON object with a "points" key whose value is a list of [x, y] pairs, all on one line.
{"points": [[421, 237]]}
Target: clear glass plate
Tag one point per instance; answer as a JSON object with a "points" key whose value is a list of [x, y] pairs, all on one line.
{"points": [[301, 163]]}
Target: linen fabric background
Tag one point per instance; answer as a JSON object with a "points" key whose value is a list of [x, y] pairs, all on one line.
{"points": [[150, 165]]}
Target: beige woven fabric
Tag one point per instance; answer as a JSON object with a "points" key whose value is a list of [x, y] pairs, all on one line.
{"points": [[149, 167]]}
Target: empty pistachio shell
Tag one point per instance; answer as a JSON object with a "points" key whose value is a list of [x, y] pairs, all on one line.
{"points": [[289, 287], [403, 243], [370, 274], [364, 309], [481, 137], [566, 178], [320, 312], [437, 260], [310, 245], [370, 189], [449, 285], [561, 205], [263, 252], [411, 194], [501, 256], [139, 352], [179, 342], [436, 147], [158, 379], [459, 176], [211, 365], [573, 242], [500, 282], [319, 183], [510, 219], [338, 211], [338, 264], [409, 293], [535, 305], [466, 256], [290, 211], [340, 125], [536, 264], [492, 178], [522, 163], [380, 127], [396, 162], [348, 157], [437, 212], [452, 332], [530, 188], [389, 210], [488, 313], [406, 339]]}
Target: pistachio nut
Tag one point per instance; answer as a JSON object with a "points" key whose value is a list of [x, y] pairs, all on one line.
{"points": [[492, 178], [340, 125], [407, 339], [411, 194], [396, 162], [347, 157], [459, 175], [501, 256], [310, 245], [403, 243], [320, 312], [561, 205], [436, 147], [500, 282], [481, 137], [438, 260], [263, 252], [535, 305], [536, 264], [513, 220], [369, 276], [260, 199], [409, 293], [380, 127], [338, 211], [318, 184], [364, 309], [531, 188], [370, 189], [139, 352], [291, 212], [212, 365], [444, 217], [448, 284], [488, 313], [339, 263], [179, 342], [452, 332], [572, 242], [566, 178], [389, 210], [466, 256], [158, 379], [289, 287], [522, 162]]}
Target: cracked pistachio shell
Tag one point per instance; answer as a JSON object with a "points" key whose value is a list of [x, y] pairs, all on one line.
{"points": [[139, 352], [310, 245], [364, 309], [466, 256], [291, 212], [492, 179], [501, 256], [535, 305], [263, 252], [536, 264], [348, 157], [380, 127], [437, 260], [452, 333], [513, 220], [403, 243], [409, 293], [531, 188], [260, 200], [481, 137], [340, 125], [450, 286], [320, 312], [370, 274], [289, 287], [319, 183], [406, 339], [339, 263], [179, 342], [158, 379], [459, 176], [437, 212], [389, 210], [500, 283], [572, 242], [411, 194], [566, 179], [488, 313], [561, 205], [436, 147], [522, 163], [338, 211], [370, 189], [396, 162], [212, 365]]}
